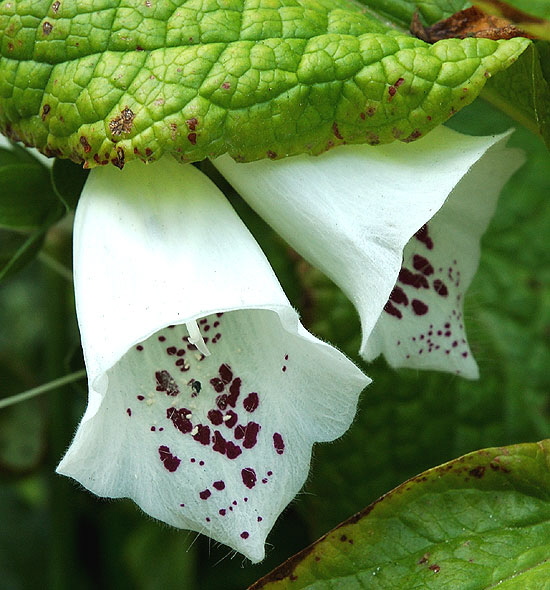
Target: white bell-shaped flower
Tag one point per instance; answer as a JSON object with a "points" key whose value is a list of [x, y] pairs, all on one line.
{"points": [[352, 211], [205, 392]]}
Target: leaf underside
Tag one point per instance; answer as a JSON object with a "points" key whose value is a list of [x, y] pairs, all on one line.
{"points": [[254, 78]]}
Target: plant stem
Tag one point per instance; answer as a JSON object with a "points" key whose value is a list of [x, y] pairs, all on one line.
{"points": [[25, 395]]}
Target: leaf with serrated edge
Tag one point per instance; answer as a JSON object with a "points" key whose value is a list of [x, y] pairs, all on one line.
{"points": [[476, 521], [198, 83]]}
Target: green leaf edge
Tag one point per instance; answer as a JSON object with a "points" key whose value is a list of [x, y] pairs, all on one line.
{"points": [[493, 464]]}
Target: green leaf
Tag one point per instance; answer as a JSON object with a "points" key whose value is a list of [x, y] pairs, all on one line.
{"points": [[401, 12], [17, 250], [68, 181], [472, 523], [26, 196], [523, 93], [301, 76]]}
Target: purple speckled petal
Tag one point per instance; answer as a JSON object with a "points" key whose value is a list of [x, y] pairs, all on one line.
{"points": [[423, 325], [351, 213], [218, 444]]}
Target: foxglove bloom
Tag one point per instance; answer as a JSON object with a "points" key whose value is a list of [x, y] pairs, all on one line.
{"points": [[205, 392], [397, 227]]}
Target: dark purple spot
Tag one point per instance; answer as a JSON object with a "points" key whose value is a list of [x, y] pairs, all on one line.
{"points": [[419, 307], [234, 392], [129, 412], [222, 512], [218, 385], [230, 418], [205, 494], [278, 443], [251, 401], [392, 310], [251, 435], [219, 485], [220, 443], [170, 462], [165, 382], [162, 338], [171, 350], [153, 428], [416, 280], [423, 265], [196, 386], [139, 347], [201, 463], [179, 419], [259, 519], [249, 477], [269, 473], [226, 374], [216, 417], [232, 450], [283, 369], [140, 397], [265, 480], [422, 236], [399, 296], [203, 434], [440, 288], [245, 535]]}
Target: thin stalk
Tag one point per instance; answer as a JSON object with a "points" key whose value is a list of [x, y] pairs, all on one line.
{"points": [[44, 388]]}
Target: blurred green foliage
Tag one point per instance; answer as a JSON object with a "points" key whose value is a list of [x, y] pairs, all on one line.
{"points": [[55, 535]]}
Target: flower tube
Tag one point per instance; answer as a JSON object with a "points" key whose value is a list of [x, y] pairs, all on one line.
{"points": [[352, 211], [205, 392]]}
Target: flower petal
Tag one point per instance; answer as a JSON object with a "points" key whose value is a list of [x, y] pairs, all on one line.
{"points": [[351, 211], [217, 444], [423, 324]]}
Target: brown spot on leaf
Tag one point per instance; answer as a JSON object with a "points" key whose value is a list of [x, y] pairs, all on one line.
{"points": [[471, 22], [192, 137], [47, 28], [84, 143], [336, 131], [435, 568], [477, 472], [414, 135], [45, 110], [55, 6], [118, 161], [424, 559], [271, 155], [122, 123], [192, 124]]}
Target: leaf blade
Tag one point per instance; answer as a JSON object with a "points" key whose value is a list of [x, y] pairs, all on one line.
{"points": [[469, 523]]}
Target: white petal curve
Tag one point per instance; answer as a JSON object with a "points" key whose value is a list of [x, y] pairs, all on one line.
{"points": [[217, 444], [351, 211], [423, 322]]}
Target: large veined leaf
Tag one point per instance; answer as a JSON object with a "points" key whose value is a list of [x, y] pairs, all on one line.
{"points": [[473, 523], [198, 79]]}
